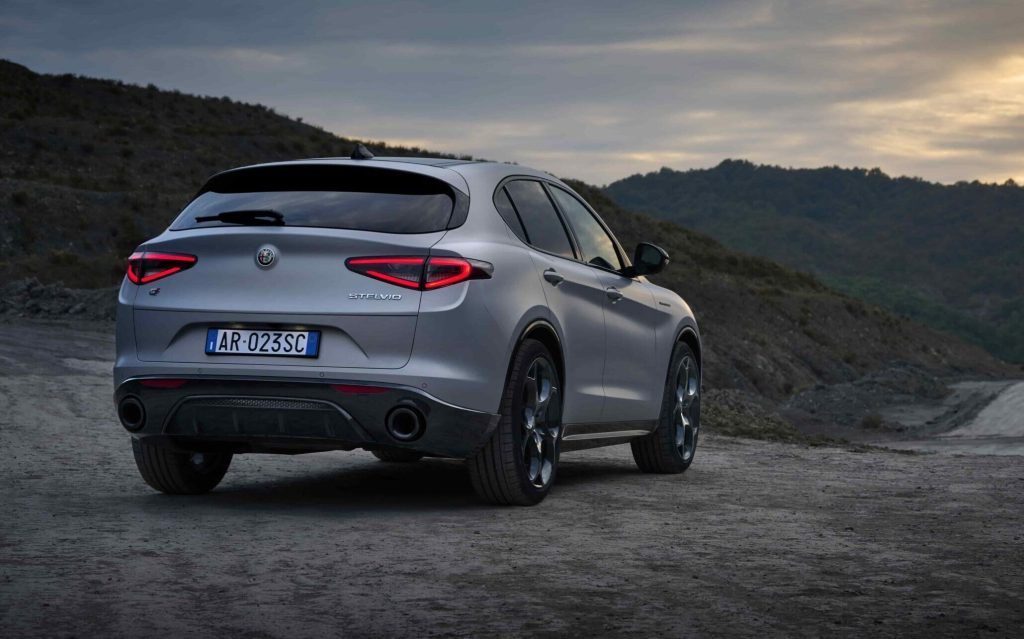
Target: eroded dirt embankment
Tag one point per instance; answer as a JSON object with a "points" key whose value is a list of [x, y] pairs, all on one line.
{"points": [[30, 298], [989, 421]]}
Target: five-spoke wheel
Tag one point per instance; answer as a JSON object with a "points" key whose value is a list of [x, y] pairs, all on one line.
{"points": [[672, 446], [541, 425], [686, 413], [519, 463]]}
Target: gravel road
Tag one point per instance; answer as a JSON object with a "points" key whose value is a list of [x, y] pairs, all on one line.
{"points": [[756, 539]]}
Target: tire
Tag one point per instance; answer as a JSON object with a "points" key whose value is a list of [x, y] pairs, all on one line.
{"points": [[673, 445], [179, 473], [397, 456], [517, 466]]}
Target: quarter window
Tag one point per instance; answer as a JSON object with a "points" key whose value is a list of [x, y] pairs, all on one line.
{"points": [[597, 246], [543, 227], [508, 213]]}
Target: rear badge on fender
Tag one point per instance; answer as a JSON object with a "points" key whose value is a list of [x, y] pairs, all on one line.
{"points": [[266, 256]]}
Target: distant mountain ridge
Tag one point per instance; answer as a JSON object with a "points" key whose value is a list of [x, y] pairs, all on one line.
{"points": [[950, 256]]}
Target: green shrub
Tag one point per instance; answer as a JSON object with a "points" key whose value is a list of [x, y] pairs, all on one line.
{"points": [[62, 258], [872, 421]]}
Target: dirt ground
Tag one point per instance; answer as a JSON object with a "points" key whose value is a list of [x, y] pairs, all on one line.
{"points": [[756, 539]]}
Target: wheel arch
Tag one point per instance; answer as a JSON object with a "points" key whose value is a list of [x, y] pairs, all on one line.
{"points": [[689, 337], [545, 333], [686, 335]]}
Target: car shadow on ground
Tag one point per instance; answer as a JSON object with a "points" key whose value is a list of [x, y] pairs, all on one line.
{"points": [[429, 485], [425, 485]]}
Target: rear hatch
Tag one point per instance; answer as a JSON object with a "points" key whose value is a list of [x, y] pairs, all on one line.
{"points": [[270, 246]]}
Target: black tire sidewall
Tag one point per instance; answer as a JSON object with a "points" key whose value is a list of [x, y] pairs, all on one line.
{"points": [[666, 426], [512, 409], [171, 471]]}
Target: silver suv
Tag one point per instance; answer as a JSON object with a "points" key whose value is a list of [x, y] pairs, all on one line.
{"points": [[409, 307]]}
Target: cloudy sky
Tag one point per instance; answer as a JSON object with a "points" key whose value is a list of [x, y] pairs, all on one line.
{"points": [[595, 90]]}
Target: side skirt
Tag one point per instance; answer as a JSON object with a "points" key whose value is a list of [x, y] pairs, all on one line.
{"points": [[595, 435]]}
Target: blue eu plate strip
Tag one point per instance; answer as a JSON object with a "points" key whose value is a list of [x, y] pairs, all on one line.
{"points": [[313, 344]]}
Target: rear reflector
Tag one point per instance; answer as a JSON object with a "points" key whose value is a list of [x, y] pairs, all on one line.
{"points": [[420, 273], [163, 383], [144, 268], [359, 390]]}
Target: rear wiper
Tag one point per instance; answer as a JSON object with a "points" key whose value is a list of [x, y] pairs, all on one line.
{"points": [[256, 217]]}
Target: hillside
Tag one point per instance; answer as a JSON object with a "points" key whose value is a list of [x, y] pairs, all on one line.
{"points": [[773, 331], [92, 167], [950, 256]]}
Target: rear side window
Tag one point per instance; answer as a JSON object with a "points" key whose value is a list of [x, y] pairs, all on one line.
{"points": [[337, 197], [508, 213], [543, 227], [595, 243]]}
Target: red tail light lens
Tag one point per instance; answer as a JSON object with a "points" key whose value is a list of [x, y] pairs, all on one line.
{"points": [[419, 272], [144, 268], [402, 271], [445, 271]]}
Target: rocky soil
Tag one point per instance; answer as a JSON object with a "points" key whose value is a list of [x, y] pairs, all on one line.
{"points": [[757, 538], [31, 298]]}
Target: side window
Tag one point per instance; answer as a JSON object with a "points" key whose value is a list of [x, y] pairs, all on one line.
{"points": [[598, 248], [543, 227], [508, 213]]}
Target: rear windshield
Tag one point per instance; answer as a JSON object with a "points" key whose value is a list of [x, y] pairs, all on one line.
{"points": [[337, 197]]}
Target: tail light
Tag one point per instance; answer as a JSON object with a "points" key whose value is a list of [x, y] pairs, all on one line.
{"points": [[420, 273], [402, 271], [443, 271], [144, 268]]}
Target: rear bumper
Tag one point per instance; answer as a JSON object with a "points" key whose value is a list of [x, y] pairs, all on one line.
{"points": [[274, 416]]}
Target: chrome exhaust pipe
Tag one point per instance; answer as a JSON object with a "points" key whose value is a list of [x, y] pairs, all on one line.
{"points": [[405, 423], [132, 413]]}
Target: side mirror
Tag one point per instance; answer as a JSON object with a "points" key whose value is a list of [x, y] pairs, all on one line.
{"points": [[648, 259]]}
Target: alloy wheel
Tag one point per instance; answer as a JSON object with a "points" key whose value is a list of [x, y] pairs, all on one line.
{"points": [[686, 414], [541, 422]]}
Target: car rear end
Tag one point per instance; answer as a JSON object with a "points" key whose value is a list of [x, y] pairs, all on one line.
{"points": [[279, 313]]}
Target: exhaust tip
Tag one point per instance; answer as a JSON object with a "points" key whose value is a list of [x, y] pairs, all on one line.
{"points": [[131, 413], [405, 424]]}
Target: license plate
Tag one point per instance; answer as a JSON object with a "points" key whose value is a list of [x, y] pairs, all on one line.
{"points": [[232, 341]]}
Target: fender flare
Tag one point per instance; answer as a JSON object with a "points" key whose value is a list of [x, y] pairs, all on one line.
{"points": [[691, 337], [548, 327]]}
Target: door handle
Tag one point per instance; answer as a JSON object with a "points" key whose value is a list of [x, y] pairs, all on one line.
{"points": [[553, 276], [613, 294]]}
